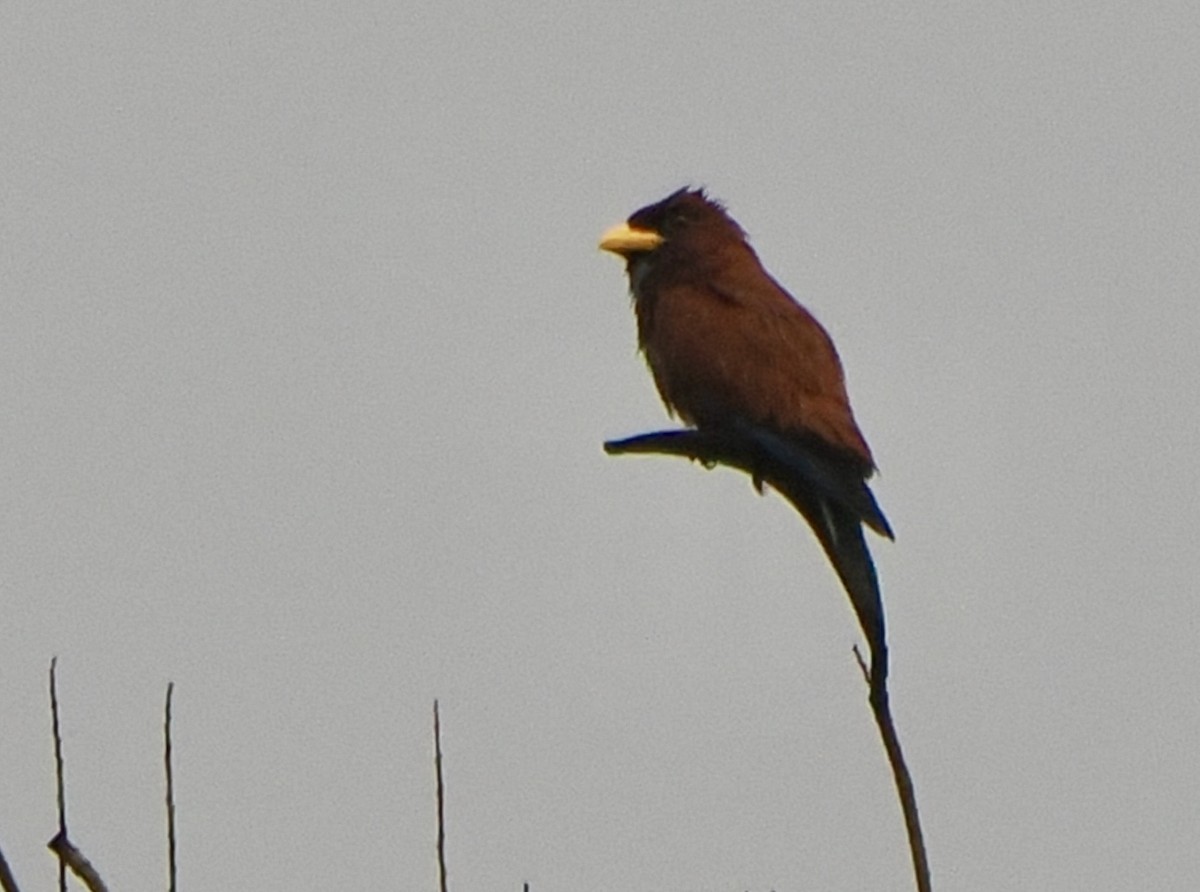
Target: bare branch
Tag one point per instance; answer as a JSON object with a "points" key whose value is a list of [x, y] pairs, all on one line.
{"points": [[8, 883], [441, 798], [61, 845], [707, 447], [59, 775], [80, 866], [882, 710], [862, 665], [170, 789]]}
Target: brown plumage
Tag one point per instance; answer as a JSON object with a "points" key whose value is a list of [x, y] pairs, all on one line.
{"points": [[734, 355]]}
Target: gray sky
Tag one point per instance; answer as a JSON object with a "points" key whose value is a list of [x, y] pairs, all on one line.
{"points": [[307, 357]]}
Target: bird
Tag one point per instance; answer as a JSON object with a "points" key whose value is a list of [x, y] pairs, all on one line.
{"points": [[756, 379]]}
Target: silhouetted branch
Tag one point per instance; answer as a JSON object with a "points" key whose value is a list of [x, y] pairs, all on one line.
{"points": [[441, 798], [882, 710], [80, 866], [59, 776], [170, 789], [61, 845], [707, 447], [8, 883]]}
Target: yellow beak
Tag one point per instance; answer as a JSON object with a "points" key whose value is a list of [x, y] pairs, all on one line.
{"points": [[623, 239]]}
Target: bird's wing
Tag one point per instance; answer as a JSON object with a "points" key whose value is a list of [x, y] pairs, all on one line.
{"points": [[803, 464], [745, 349]]}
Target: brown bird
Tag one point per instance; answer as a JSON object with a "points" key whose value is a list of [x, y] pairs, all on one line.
{"points": [[756, 377]]}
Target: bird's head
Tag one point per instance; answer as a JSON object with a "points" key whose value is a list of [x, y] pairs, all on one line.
{"points": [[685, 234]]}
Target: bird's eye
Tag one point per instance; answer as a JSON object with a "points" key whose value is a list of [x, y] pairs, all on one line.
{"points": [[677, 219]]}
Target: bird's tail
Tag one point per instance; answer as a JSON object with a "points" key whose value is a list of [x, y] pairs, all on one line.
{"points": [[841, 536]]}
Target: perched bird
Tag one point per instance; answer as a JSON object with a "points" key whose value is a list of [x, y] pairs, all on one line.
{"points": [[756, 378]]}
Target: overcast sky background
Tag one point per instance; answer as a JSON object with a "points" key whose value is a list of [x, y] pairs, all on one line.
{"points": [[308, 353]]}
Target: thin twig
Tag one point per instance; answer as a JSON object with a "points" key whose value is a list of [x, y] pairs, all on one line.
{"points": [[61, 845], [170, 789], [881, 709], [441, 798], [59, 777], [80, 866], [8, 882]]}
